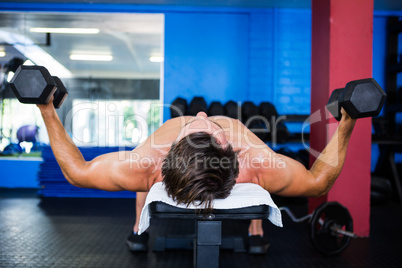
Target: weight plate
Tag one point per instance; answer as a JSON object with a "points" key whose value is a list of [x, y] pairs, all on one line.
{"points": [[325, 219]]}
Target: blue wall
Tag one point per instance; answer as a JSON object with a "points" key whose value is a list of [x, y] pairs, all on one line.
{"points": [[206, 54], [261, 55]]}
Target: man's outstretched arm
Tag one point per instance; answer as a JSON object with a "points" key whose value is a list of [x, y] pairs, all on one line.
{"points": [[293, 179], [106, 172]]}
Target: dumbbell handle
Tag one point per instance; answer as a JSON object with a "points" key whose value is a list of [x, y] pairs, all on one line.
{"points": [[335, 228], [343, 232]]}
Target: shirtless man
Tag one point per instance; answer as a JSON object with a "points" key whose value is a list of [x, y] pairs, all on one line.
{"points": [[248, 160]]}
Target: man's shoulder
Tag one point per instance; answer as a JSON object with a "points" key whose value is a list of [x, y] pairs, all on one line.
{"points": [[177, 120]]}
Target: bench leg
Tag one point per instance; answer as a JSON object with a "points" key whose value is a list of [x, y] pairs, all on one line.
{"points": [[208, 241]]}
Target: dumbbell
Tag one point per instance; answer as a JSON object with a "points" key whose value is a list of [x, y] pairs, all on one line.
{"points": [[359, 98], [231, 109], [254, 121], [35, 85], [248, 110], [268, 111], [178, 107], [215, 108], [197, 104]]}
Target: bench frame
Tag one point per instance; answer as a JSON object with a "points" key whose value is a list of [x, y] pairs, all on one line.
{"points": [[208, 230]]}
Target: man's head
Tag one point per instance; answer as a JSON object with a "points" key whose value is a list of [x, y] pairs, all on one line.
{"points": [[199, 168]]}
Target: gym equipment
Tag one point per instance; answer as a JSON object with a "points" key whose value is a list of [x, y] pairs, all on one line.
{"points": [[13, 65], [27, 133], [197, 104], [381, 190], [254, 121], [178, 107], [215, 108], [359, 98], [208, 235], [60, 94], [12, 149], [268, 110], [278, 132], [248, 110], [232, 109], [331, 227], [53, 183], [35, 85], [303, 156]]}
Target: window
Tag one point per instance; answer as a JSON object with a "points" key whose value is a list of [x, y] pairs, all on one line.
{"points": [[110, 64], [15, 115], [113, 123]]}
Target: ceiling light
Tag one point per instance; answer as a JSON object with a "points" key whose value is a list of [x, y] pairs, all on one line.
{"points": [[2, 54], [156, 59], [65, 30], [91, 57]]}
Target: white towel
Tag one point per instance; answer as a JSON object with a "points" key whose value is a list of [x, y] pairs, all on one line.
{"points": [[242, 195]]}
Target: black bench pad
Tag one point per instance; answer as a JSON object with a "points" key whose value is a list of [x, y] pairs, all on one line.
{"points": [[162, 210]]}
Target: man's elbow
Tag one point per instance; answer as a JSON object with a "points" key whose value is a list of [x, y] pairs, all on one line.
{"points": [[73, 181], [76, 183], [321, 189], [76, 178], [320, 193]]}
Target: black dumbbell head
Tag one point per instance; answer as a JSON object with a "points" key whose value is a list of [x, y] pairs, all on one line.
{"points": [[33, 84], [178, 107], [61, 93], [215, 108], [363, 98], [248, 109], [231, 109], [268, 111], [333, 105], [197, 104]]}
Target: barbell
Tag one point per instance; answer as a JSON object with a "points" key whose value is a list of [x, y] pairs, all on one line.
{"points": [[330, 227]]}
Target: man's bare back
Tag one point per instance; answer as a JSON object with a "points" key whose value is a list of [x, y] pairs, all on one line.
{"points": [[249, 147]]}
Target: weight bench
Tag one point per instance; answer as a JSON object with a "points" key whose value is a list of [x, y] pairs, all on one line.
{"points": [[207, 240], [247, 201]]}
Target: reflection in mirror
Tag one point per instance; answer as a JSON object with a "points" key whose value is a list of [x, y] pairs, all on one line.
{"points": [[100, 57]]}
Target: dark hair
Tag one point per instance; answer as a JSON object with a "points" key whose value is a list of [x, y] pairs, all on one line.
{"points": [[198, 168]]}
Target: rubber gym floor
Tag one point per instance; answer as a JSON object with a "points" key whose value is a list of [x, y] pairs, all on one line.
{"points": [[70, 232]]}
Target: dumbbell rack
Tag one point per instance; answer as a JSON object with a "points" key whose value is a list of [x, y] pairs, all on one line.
{"points": [[390, 142], [53, 184], [394, 66]]}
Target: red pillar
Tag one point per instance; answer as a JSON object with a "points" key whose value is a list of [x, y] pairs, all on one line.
{"points": [[342, 37]]}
